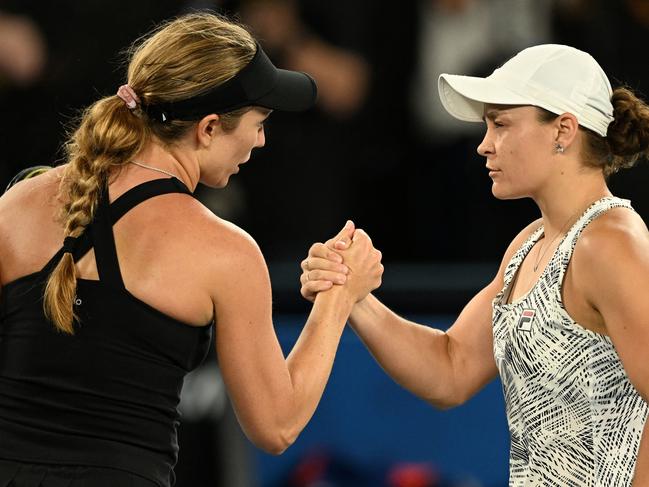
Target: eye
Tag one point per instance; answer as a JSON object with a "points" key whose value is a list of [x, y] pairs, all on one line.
{"points": [[498, 124]]}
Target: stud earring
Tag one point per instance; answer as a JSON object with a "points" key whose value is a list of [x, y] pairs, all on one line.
{"points": [[558, 148]]}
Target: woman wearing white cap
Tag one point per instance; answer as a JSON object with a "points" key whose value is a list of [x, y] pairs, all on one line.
{"points": [[565, 321]]}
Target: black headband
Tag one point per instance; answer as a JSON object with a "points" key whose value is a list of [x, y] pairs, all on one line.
{"points": [[259, 83]]}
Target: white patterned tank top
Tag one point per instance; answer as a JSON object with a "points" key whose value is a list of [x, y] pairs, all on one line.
{"points": [[574, 417]]}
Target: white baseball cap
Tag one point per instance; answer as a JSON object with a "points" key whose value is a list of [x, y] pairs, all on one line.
{"points": [[552, 76]]}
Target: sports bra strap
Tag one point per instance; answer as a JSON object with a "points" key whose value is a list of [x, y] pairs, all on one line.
{"points": [[143, 192], [104, 242], [99, 233]]}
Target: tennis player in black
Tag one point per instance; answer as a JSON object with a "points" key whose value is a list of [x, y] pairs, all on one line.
{"points": [[114, 278]]}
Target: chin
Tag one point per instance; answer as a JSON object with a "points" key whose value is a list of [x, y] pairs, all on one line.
{"points": [[215, 183], [220, 184], [503, 194]]}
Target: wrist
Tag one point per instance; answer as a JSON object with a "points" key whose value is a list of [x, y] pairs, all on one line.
{"points": [[361, 307], [337, 297]]}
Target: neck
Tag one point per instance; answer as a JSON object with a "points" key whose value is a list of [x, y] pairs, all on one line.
{"points": [[172, 161], [564, 201]]}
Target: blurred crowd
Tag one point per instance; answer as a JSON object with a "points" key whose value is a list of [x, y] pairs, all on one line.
{"points": [[378, 148]]}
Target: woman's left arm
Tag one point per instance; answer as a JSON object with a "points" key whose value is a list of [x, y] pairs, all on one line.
{"points": [[614, 267]]}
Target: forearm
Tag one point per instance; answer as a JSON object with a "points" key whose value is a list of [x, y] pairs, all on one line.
{"points": [[310, 361], [415, 356]]}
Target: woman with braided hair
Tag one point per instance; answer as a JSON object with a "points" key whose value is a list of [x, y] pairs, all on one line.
{"points": [[113, 276], [564, 323]]}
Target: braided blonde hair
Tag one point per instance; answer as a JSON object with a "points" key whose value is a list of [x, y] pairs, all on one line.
{"points": [[180, 59]]}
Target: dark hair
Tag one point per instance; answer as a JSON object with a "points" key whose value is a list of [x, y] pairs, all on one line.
{"points": [[627, 137]]}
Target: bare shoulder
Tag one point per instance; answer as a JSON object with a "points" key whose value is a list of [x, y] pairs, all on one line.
{"points": [[32, 192], [235, 269], [33, 200], [227, 247], [28, 204], [219, 234], [613, 250], [619, 233]]}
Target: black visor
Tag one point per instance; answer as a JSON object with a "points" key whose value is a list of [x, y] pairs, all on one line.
{"points": [[259, 83]]}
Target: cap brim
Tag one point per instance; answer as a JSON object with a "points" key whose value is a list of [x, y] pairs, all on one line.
{"points": [[293, 92], [464, 97]]}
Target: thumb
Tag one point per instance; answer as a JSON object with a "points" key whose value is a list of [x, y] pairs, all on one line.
{"points": [[344, 237]]}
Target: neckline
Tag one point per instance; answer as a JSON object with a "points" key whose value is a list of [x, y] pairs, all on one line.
{"points": [[529, 244]]}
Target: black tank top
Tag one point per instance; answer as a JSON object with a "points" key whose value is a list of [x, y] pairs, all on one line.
{"points": [[107, 395]]}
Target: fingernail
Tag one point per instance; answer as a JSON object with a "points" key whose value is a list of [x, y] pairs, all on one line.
{"points": [[336, 258], [344, 269], [341, 279]]}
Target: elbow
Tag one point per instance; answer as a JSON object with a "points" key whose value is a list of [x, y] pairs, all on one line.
{"points": [[445, 404], [269, 431], [272, 447], [449, 400], [276, 442]]}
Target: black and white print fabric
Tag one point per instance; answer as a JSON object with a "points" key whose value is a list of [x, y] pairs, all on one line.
{"points": [[574, 417]]}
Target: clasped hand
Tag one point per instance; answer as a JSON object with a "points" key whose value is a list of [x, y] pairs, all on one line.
{"points": [[348, 259]]}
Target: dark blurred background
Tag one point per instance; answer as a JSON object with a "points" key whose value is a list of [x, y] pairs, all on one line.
{"points": [[378, 149]]}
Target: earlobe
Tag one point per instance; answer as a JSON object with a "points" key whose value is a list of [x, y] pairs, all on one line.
{"points": [[566, 131]]}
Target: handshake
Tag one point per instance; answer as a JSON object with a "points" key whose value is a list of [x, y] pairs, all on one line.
{"points": [[349, 260]]}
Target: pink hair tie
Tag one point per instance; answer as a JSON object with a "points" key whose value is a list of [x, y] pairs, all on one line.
{"points": [[126, 93]]}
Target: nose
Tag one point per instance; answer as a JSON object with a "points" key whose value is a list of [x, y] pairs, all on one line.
{"points": [[486, 147], [261, 138]]}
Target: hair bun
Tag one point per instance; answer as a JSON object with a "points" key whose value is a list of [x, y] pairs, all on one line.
{"points": [[628, 134]]}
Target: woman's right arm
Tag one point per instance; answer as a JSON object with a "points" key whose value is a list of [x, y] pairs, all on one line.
{"points": [[443, 368], [274, 397]]}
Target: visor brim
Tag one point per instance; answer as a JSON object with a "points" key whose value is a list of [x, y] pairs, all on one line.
{"points": [[293, 92]]}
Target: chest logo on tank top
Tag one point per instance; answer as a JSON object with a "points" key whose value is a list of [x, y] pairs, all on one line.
{"points": [[525, 321]]}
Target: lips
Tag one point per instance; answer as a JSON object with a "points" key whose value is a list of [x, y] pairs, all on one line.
{"points": [[492, 171]]}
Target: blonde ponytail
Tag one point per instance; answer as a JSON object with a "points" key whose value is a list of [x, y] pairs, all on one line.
{"points": [[108, 136]]}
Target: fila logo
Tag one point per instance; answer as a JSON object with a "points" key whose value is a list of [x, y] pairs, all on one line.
{"points": [[525, 323]]}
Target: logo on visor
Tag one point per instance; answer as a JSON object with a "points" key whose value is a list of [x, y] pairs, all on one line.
{"points": [[525, 323]]}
